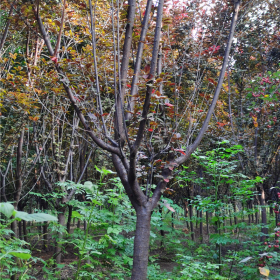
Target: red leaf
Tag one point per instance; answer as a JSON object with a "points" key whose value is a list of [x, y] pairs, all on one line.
{"points": [[211, 81], [128, 85], [54, 59], [167, 205], [180, 151], [150, 129], [220, 124], [147, 68]]}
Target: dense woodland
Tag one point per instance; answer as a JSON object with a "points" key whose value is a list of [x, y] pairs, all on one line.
{"points": [[139, 139]]}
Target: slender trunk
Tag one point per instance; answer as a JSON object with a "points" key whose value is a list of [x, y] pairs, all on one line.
{"points": [[207, 224], [141, 244], [20, 230], [235, 214], [264, 218], [69, 218], [161, 230], [201, 226], [24, 231], [61, 221], [257, 213], [249, 216], [197, 219], [191, 222], [14, 228], [45, 237], [186, 214], [230, 216]]}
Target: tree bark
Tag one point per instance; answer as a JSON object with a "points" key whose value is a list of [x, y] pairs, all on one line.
{"points": [[207, 224], [24, 231], [61, 221], [191, 222], [264, 218], [69, 218], [141, 244], [201, 226]]}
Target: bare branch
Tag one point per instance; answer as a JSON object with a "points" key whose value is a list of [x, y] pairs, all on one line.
{"points": [[139, 56], [67, 87], [60, 30], [4, 36], [192, 147]]}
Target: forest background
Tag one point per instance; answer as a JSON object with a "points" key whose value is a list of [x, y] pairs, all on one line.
{"points": [[104, 105]]}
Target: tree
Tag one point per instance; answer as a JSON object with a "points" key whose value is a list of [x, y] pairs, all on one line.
{"points": [[126, 145]]}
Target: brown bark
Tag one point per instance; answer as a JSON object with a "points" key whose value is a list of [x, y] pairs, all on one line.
{"points": [[24, 224], [61, 221], [70, 208], [141, 244], [207, 224], [201, 226], [191, 222]]}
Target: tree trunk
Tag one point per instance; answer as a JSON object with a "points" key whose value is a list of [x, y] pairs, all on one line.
{"points": [[197, 219], [14, 228], [264, 219], [141, 244], [24, 231], [69, 218], [249, 216], [207, 224], [235, 214], [257, 212], [161, 230], [61, 221], [191, 222], [172, 220], [45, 237], [20, 230], [201, 226]]}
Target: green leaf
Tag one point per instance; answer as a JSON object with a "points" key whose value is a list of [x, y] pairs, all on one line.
{"points": [[21, 255], [96, 202], [22, 215], [89, 187], [76, 214], [42, 217], [7, 209], [60, 265], [214, 219]]}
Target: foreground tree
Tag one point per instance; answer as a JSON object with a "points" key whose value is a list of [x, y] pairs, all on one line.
{"points": [[127, 143]]}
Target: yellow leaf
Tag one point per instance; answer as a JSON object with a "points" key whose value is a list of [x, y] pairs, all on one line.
{"points": [[256, 124], [264, 271], [13, 56]]}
